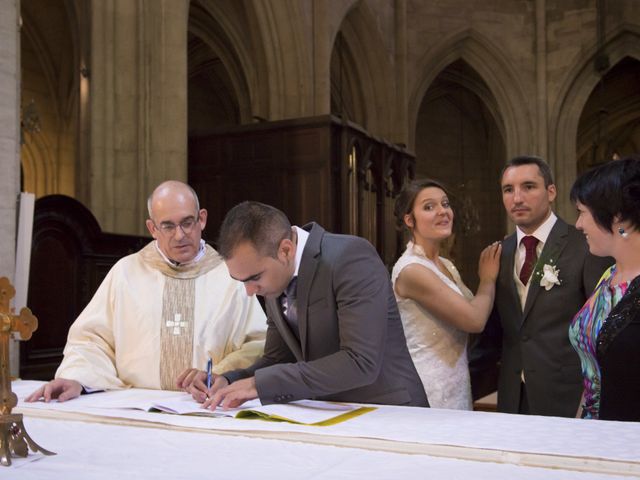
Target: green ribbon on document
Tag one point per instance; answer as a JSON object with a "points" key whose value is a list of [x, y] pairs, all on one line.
{"points": [[257, 415]]}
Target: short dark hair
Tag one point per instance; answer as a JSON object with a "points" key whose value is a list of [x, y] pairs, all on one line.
{"points": [[611, 190], [262, 225], [543, 167], [407, 198]]}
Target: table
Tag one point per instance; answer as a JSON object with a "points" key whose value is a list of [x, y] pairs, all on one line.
{"points": [[392, 442]]}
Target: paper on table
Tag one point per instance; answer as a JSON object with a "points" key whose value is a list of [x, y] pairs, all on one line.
{"points": [[314, 410], [306, 412], [186, 405]]}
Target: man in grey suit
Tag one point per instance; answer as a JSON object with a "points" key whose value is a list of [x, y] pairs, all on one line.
{"points": [[333, 327], [546, 275]]}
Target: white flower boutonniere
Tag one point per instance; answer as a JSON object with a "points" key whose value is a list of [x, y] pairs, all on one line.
{"points": [[549, 276]]}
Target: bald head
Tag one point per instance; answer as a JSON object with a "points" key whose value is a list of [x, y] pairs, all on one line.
{"points": [[167, 192], [176, 220]]}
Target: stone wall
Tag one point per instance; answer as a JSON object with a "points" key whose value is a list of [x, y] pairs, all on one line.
{"points": [[535, 58]]}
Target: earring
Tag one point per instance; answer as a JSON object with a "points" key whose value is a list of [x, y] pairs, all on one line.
{"points": [[622, 233]]}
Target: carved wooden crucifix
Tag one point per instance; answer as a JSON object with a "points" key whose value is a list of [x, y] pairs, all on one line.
{"points": [[14, 439]]}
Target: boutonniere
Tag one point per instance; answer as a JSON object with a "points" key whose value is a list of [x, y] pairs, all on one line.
{"points": [[549, 275]]}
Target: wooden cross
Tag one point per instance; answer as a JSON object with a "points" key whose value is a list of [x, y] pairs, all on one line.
{"points": [[14, 439]]}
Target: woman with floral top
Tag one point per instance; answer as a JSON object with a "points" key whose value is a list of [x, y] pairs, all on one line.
{"points": [[436, 308], [606, 331]]}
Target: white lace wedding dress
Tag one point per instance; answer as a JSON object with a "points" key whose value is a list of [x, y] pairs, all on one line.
{"points": [[438, 349]]}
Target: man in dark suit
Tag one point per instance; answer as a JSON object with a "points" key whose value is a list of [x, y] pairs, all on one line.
{"points": [[333, 327], [546, 274]]}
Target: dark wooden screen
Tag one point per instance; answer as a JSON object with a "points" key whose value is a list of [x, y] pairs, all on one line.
{"points": [[70, 256], [300, 166]]}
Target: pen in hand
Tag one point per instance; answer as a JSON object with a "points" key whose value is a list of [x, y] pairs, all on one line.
{"points": [[209, 366]]}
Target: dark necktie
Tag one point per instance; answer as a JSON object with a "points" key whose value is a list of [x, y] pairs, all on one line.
{"points": [[290, 304], [530, 259]]}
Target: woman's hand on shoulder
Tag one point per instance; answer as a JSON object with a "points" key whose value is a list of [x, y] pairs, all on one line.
{"points": [[489, 263]]}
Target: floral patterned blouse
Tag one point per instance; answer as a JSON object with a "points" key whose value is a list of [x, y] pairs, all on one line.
{"points": [[583, 334]]}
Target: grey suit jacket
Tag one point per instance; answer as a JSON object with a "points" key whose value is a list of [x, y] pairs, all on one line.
{"points": [[536, 340], [352, 346]]}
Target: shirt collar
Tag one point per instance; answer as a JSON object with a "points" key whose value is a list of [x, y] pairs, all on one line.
{"points": [[542, 232], [303, 235], [199, 255]]}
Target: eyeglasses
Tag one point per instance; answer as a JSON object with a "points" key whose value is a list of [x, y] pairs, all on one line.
{"points": [[169, 229]]}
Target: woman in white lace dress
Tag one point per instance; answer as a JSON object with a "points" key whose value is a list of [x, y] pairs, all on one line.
{"points": [[438, 311]]}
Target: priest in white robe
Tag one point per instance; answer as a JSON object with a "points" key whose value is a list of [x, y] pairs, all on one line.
{"points": [[169, 307]]}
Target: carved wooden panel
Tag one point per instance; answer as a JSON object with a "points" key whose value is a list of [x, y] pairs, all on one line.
{"points": [[301, 167], [70, 256]]}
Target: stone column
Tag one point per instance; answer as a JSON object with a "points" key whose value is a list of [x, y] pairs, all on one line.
{"points": [[541, 78], [9, 145], [401, 128], [9, 132], [138, 105], [321, 58]]}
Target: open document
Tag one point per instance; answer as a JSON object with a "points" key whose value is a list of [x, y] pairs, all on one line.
{"points": [[302, 412]]}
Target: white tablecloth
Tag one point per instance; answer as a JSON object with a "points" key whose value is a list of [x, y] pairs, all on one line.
{"points": [[92, 451], [413, 439]]}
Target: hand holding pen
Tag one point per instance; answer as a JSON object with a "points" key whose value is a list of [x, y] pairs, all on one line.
{"points": [[214, 383], [209, 366], [197, 382]]}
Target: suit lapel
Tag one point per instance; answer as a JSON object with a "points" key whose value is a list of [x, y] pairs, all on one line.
{"points": [[274, 305], [509, 253], [553, 247], [306, 273]]}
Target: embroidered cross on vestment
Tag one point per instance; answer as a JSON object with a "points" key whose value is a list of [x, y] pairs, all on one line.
{"points": [[176, 324]]}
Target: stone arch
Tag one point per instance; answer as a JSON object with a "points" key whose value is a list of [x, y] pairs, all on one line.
{"points": [[50, 76], [459, 139], [38, 165], [347, 97], [371, 67], [37, 162], [474, 84], [219, 25], [565, 115], [610, 120], [282, 26], [513, 114], [46, 63]]}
